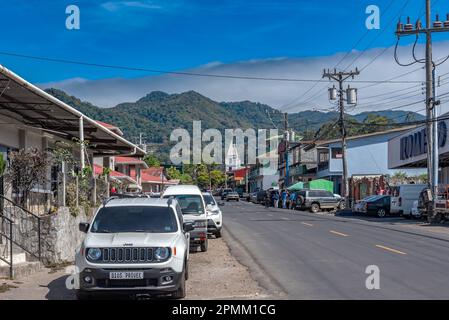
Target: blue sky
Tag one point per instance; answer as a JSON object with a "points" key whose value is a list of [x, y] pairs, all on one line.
{"points": [[179, 34], [187, 34]]}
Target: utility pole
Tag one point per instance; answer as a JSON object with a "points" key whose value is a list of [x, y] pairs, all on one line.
{"points": [[287, 145], [431, 102], [351, 98]]}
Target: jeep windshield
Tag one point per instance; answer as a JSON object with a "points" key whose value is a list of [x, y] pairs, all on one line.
{"points": [[190, 204], [135, 219]]}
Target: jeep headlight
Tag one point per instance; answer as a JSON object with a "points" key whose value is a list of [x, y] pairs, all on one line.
{"points": [[93, 254], [162, 253]]}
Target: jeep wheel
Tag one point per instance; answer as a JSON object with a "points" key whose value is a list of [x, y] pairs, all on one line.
{"points": [[204, 245], [315, 207], [181, 292], [381, 213], [341, 205]]}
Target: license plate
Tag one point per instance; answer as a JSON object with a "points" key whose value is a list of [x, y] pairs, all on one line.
{"points": [[125, 275]]}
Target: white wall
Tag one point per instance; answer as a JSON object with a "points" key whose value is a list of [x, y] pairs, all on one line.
{"points": [[368, 156]]}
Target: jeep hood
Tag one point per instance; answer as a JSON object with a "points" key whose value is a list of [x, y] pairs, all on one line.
{"points": [[136, 239]]}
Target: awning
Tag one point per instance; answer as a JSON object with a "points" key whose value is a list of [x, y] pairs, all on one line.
{"points": [[29, 105], [297, 186]]}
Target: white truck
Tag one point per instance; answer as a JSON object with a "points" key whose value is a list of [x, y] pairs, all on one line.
{"points": [[402, 198]]}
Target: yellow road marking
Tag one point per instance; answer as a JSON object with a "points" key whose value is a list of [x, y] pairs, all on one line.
{"points": [[390, 249], [339, 233], [307, 224]]}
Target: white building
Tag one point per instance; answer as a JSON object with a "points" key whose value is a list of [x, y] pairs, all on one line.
{"points": [[232, 160]]}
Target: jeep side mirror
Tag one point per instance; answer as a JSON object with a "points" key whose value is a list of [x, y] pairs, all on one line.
{"points": [[83, 227], [188, 227]]}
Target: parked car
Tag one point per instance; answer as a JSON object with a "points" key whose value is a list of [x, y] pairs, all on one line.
{"points": [[403, 196], [261, 196], [224, 192], [134, 246], [193, 209], [316, 200], [233, 195], [359, 206], [379, 205], [253, 197], [214, 215]]}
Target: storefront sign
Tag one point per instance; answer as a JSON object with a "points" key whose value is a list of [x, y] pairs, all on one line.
{"points": [[415, 143]]}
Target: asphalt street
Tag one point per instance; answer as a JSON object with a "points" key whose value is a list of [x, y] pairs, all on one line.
{"points": [[321, 256]]}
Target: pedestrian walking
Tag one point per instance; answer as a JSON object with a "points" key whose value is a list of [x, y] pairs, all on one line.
{"points": [[293, 200], [284, 199]]}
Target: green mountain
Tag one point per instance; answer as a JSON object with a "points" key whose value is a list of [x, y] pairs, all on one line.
{"points": [[158, 113], [394, 115]]}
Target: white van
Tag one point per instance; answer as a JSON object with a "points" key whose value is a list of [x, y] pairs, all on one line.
{"points": [[193, 207], [403, 196]]}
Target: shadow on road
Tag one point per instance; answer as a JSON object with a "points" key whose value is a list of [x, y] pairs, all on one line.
{"points": [[57, 290]]}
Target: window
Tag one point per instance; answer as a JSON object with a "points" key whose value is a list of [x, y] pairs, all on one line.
{"points": [[208, 199], [314, 194], [190, 204], [337, 153], [135, 219], [324, 157]]}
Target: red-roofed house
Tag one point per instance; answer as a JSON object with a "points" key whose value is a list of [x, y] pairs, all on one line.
{"points": [[154, 180], [131, 167], [114, 175]]}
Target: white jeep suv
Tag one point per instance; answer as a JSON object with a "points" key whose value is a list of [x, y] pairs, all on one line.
{"points": [[134, 246]]}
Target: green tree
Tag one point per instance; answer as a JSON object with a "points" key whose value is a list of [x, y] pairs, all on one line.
{"points": [[2, 165], [217, 177], [152, 161], [184, 178], [173, 173]]}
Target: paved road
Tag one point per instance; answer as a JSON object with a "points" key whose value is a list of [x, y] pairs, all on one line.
{"points": [[315, 256]]}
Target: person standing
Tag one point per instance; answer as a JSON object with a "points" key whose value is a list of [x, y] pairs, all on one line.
{"points": [[284, 199], [276, 199], [293, 200]]}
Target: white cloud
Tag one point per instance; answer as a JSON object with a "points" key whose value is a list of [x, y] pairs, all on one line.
{"points": [[110, 92], [117, 5]]}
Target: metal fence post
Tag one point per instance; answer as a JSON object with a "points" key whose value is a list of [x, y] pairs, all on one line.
{"points": [[11, 271], [39, 238]]}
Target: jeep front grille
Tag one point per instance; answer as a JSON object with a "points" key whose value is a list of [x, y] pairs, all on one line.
{"points": [[127, 255]]}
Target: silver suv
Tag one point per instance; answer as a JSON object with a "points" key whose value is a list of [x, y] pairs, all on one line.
{"points": [[134, 246]]}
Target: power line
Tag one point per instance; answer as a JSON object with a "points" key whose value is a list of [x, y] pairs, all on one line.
{"points": [[195, 74], [377, 37], [338, 63]]}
